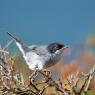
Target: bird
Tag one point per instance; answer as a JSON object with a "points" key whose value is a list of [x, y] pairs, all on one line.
{"points": [[40, 56]]}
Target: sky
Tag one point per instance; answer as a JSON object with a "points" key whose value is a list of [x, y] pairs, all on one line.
{"points": [[47, 21]]}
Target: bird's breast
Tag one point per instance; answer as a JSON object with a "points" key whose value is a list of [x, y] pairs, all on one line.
{"points": [[40, 61]]}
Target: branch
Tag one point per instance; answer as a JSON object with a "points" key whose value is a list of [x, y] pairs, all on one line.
{"points": [[86, 84]]}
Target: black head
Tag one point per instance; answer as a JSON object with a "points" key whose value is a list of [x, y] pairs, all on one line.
{"points": [[52, 48]]}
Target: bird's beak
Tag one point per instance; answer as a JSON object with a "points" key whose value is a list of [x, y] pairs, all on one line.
{"points": [[62, 49], [65, 47]]}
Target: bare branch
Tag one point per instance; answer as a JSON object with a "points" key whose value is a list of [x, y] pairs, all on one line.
{"points": [[86, 84]]}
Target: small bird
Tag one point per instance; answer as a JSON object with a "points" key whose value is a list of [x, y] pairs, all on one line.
{"points": [[40, 56]]}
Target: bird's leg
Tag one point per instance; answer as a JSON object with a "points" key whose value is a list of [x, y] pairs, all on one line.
{"points": [[46, 74], [33, 75]]}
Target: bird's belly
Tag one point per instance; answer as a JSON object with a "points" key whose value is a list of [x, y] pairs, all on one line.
{"points": [[34, 62]]}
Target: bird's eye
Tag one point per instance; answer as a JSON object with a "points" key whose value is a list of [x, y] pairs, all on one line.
{"points": [[54, 47]]}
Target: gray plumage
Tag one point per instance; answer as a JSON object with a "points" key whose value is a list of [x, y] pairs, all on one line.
{"points": [[40, 56]]}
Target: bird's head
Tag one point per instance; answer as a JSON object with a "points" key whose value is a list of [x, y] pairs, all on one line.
{"points": [[56, 48]]}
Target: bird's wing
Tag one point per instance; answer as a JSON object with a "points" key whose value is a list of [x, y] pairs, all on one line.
{"points": [[23, 48], [32, 46]]}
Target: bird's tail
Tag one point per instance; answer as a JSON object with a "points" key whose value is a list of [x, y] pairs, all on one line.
{"points": [[13, 37], [23, 48]]}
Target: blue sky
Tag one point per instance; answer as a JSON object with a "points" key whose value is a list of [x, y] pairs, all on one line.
{"points": [[47, 21]]}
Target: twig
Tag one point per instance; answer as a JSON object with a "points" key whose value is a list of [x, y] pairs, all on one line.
{"points": [[51, 82], [89, 76]]}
